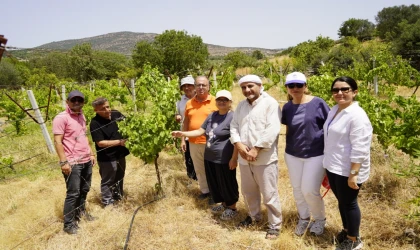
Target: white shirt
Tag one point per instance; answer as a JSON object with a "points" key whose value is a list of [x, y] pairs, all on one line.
{"points": [[180, 106], [257, 125], [347, 139]]}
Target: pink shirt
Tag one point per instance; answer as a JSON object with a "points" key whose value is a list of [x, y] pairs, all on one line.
{"points": [[75, 142]]}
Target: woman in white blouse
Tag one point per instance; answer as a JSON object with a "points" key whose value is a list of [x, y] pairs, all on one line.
{"points": [[347, 136]]}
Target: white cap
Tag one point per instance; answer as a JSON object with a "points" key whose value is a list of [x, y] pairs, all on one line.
{"points": [[295, 77], [250, 78], [187, 80], [224, 93]]}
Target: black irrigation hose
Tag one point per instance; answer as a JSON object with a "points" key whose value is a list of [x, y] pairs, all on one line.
{"points": [[132, 220]]}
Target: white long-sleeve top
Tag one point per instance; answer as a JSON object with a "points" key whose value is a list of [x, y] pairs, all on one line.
{"points": [[257, 125], [347, 139]]}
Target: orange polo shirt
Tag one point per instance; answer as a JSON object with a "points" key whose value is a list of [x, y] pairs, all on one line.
{"points": [[197, 112]]}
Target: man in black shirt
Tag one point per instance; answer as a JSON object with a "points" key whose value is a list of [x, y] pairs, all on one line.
{"points": [[110, 149]]}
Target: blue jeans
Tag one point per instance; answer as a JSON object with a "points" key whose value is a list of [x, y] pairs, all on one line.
{"points": [[77, 185]]}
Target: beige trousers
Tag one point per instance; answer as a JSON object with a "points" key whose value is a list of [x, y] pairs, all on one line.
{"points": [[262, 180], [197, 155]]}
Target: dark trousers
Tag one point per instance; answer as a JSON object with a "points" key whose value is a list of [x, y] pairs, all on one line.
{"points": [[347, 202], [77, 185], [112, 180], [222, 183], [189, 163]]}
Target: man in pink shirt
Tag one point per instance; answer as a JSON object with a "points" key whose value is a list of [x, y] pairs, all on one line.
{"points": [[76, 159]]}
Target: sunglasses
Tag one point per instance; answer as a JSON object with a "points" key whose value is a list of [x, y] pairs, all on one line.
{"points": [[293, 85], [77, 99], [344, 90]]}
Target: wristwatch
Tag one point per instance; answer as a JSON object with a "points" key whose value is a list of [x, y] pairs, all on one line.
{"points": [[62, 163], [354, 172]]}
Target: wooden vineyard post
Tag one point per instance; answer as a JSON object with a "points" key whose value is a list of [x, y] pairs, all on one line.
{"points": [[63, 95], [133, 92], [214, 79], [41, 121]]}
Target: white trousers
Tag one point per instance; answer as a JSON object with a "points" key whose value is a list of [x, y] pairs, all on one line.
{"points": [[306, 176], [197, 156], [257, 180]]}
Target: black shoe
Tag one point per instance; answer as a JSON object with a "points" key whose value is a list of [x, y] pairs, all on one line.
{"points": [[89, 217], [211, 201], [246, 223], [341, 236], [203, 196], [71, 229]]}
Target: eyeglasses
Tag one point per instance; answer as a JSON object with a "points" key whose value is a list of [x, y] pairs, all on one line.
{"points": [[201, 86], [293, 85], [222, 100], [77, 99], [344, 90]]}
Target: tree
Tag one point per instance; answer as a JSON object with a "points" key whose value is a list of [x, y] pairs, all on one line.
{"points": [[175, 51], [362, 29], [388, 19], [408, 43], [257, 54], [54, 62], [82, 63], [146, 52], [108, 63], [238, 59], [9, 75]]}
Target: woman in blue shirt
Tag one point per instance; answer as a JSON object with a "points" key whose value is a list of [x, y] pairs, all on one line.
{"points": [[220, 156], [304, 116]]}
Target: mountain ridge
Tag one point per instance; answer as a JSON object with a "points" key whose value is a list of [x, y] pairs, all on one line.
{"points": [[125, 41]]}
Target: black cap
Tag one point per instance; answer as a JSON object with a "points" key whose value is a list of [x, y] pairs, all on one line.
{"points": [[75, 93]]}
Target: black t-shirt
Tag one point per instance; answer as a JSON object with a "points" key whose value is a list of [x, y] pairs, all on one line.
{"points": [[104, 129]]}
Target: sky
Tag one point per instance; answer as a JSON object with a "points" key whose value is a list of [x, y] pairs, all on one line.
{"points": [[271, 24]]}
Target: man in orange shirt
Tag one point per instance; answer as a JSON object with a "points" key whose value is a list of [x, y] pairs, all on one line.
{"points": [[196, 111]]}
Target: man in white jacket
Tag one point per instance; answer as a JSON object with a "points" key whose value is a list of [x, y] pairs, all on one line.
{"points": [[254, 131]]}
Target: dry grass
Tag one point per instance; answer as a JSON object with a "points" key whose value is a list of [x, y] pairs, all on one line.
{"points": [[32, 210]]}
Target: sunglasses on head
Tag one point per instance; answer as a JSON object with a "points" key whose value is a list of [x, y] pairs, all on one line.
{"points": [[293, 85], [77, 99], [343, 90]]}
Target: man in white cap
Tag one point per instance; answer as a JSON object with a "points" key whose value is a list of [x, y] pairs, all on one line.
{"points": [[76, 159], [196, 111], [254, 131], [187, 86]]}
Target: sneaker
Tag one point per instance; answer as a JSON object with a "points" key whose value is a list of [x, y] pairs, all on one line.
{"points": [[246, 223], [218, 209], [203, 196], [318, 226], [341, 236], [348, 244], [301, 227], [229, 214], [70, 229]]}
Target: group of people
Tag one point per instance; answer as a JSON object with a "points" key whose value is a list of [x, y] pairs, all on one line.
{"points": [[76, 157], [320, 143]]}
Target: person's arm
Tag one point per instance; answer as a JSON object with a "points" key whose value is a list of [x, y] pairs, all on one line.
{"points": [[352, 180], [58, 144], [193, 133], [360, 140], [178, 116], [233, 163], [111, 143]]}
